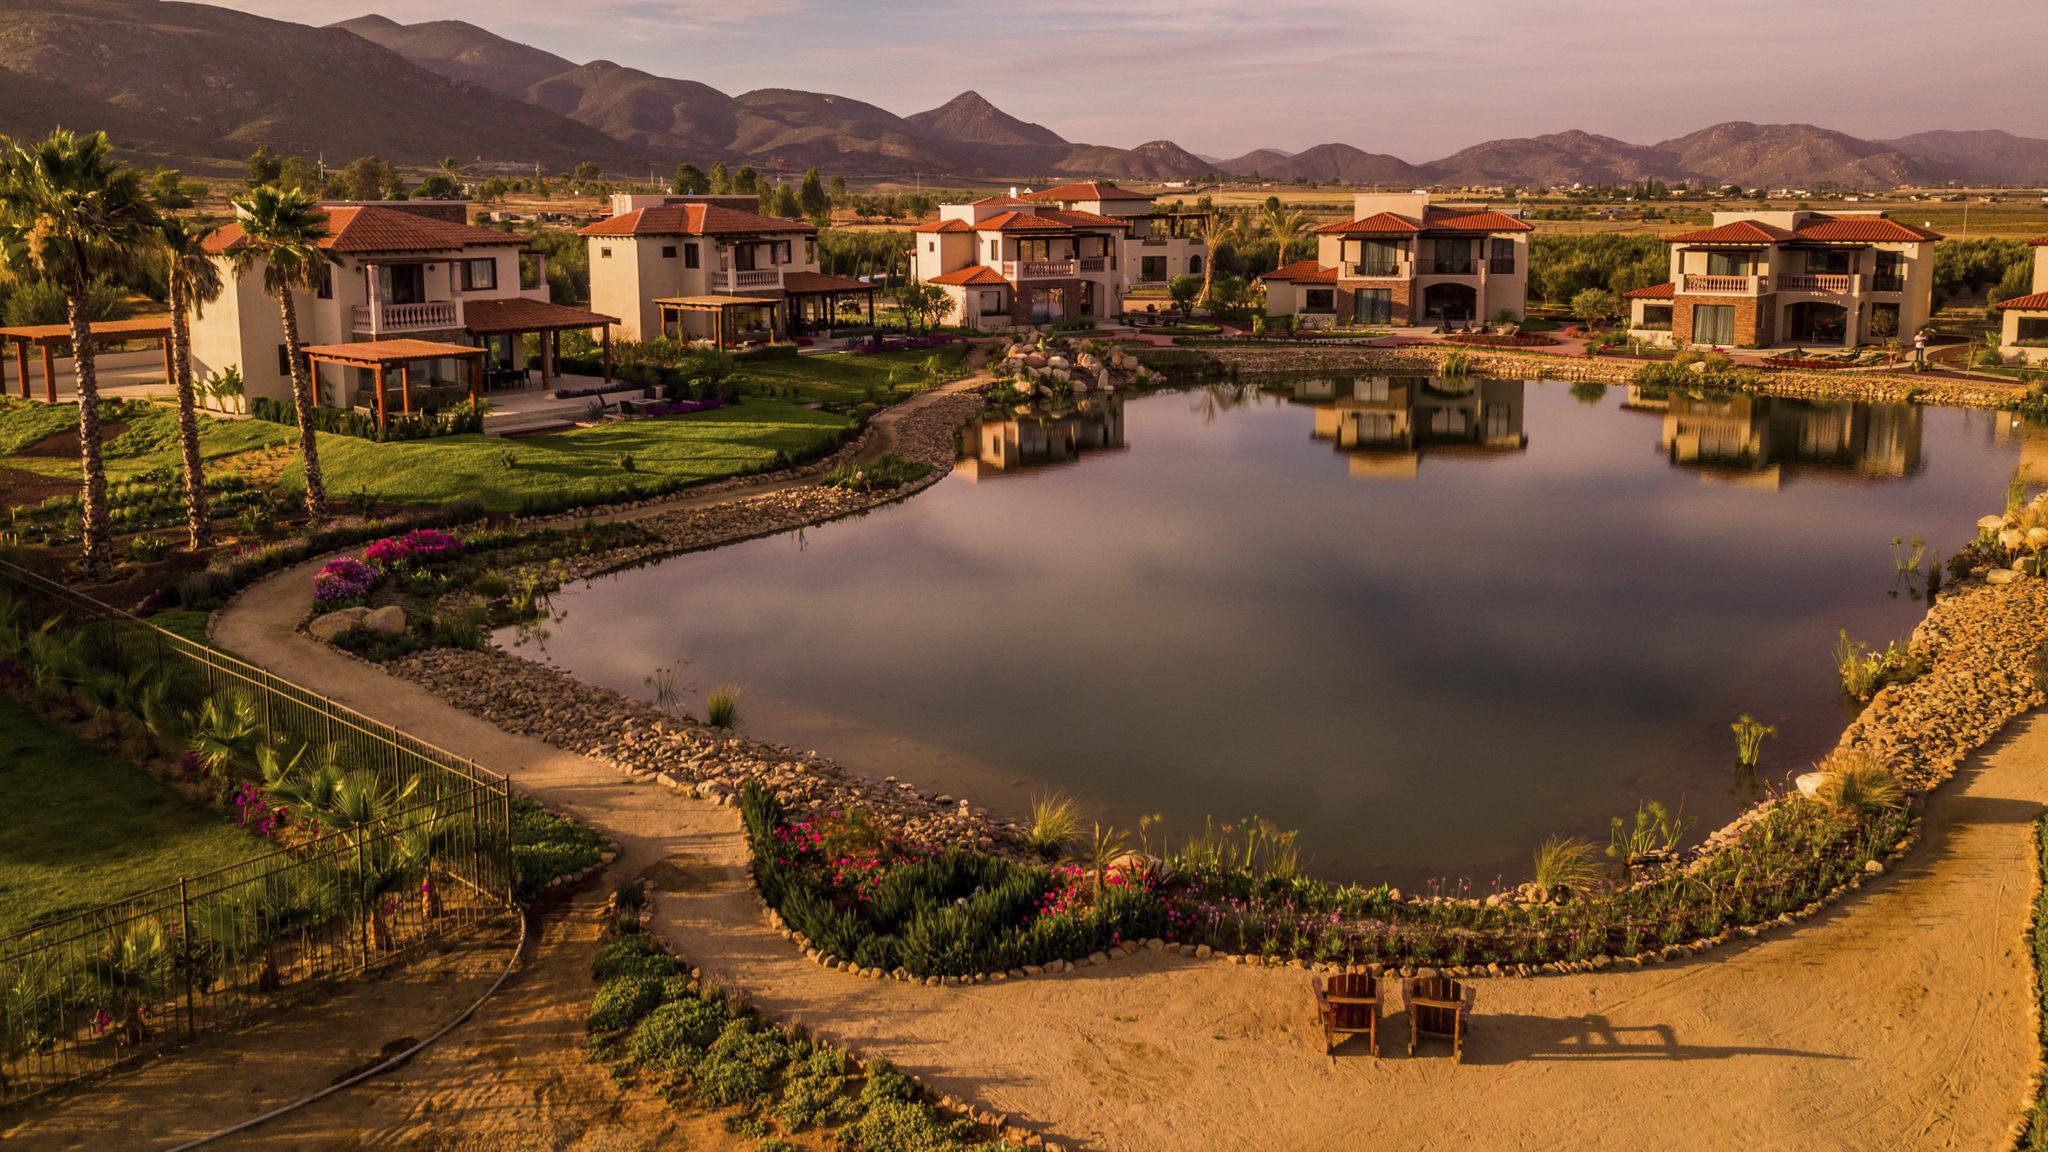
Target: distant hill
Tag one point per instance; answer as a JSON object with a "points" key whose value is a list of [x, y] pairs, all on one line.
{"points": [[184, 80], [203, 81], [1796, 155], [1987, 154], [662, 115], [1557, 159], [1327, 164], [462, 51], [970, 119]]}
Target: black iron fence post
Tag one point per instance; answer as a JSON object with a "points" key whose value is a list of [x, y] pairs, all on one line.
{"points": [[186, 954]]}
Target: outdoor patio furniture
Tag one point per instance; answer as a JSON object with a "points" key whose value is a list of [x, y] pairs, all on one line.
{"points": [[1437, 1006], [1349, 1005]]}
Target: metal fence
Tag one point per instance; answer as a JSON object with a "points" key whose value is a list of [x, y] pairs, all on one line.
{"points": [[110, 984]]}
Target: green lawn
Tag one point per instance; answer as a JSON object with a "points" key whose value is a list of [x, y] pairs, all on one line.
{"points": [[149, 440], [83, 827], [581, 466], [846, 377]]}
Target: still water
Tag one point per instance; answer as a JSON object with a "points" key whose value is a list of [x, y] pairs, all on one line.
{"points": [[1427, 625]]}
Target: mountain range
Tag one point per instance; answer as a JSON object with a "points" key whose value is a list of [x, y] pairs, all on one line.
{"points": [[201, 83]]}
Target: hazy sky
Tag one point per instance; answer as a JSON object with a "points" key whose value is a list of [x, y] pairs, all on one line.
{"points": [[1419, 80]]}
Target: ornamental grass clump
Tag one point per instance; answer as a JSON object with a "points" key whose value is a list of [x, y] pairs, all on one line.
{"points": [[1855, 781], [722, 707], [1566, 864], [1054, 823]]}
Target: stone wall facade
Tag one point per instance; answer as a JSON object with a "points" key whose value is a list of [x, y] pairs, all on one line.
{"points": [[1403, 293], [1755, 318]]}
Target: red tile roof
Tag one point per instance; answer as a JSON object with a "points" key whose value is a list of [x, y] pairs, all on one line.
{"points": [[973, 274], [1380, 224], [1438, 219], [371, 228], [1003, 199], [692, 220], [1047, 220], [1302, 272], [819, 282], [946, 226], [519, 314], [1087, 190], [1664, 291], [1735, 232], [2038, 302], [2039, 242], [1867, 229]]}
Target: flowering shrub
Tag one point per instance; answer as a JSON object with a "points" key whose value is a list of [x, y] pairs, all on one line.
{"points": [[343, 580], [905, 343], [383, 554], [252, 807], [677, 407], [432, 544]]}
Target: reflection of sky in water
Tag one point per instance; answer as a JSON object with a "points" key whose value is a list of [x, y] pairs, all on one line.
{"points": [[1426, 674]]}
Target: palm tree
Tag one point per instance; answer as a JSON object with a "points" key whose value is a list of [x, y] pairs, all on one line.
{"points": [[1216, 229], [282, 229], [1284, 225], [193, 281], [71, 214]]}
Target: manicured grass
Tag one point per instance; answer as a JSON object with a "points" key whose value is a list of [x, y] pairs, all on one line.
{"points": [[149, 441], [83, 827], [187, 622], [847, 377], [582, 466], [2035, 1139]]}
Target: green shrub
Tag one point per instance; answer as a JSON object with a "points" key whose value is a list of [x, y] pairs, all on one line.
{"points": [[737, 1069], [622, 1002], [906, 1126], [883, 475], [814, 1095], [630, 956], [545, 846], [676, 1034]]}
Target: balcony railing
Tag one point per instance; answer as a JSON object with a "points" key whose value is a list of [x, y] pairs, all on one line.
{"points": [[406, 317], [1376, 268], [1887, 283], [749, 278], [1831, 282], [1038, 269], [1724, 285], [1093, 263], [1452, 268]]}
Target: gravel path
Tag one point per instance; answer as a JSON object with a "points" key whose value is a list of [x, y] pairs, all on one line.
{"points": [[1902, 1018]]}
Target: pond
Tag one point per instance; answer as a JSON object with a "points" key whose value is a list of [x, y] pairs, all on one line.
{"points": [[1428, 624]]}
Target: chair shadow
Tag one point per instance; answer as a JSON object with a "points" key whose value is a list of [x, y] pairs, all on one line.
{"points": [[1512, 1038]]}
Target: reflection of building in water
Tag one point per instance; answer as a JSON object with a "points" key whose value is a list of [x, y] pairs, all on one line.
{"points": [[1385, 424], [1763, 439], [2032, 436], [997, 445]]}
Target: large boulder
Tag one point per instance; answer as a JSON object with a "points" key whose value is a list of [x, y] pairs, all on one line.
{"points": [[388, 620], [326, 627]]}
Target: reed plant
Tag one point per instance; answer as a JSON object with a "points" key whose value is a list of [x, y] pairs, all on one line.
{"points": [[1750, 734]]}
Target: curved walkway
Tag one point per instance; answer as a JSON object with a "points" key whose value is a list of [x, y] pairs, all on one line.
{"points": [[1902, 1018]]}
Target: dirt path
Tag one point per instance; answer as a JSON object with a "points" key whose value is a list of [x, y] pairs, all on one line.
{"points": [[1901, 1019]]}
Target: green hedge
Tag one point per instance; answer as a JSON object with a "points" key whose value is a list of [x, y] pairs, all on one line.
{"points": [[467, 416]]}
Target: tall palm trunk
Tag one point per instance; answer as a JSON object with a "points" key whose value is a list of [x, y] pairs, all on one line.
{"points": [[302, 399], [98, 541], [196, 516]]}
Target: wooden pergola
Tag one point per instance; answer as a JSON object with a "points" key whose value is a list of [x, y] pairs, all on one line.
{"points": [[379, 356], [50, 337], [720, 309], [518, 315], [816, 288]]}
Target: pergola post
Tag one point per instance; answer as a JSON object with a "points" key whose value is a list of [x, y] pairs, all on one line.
{"points": [[170, 376], [379, 370], [607, 353], [476, 377], [3, 375], [871, 307], [49, 374], [404, 386], [547, 360], [21, 365]]}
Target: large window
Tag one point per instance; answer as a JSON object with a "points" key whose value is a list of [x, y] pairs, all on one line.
{"points": [[2034, 330], [1502, 257], [1322, 300], [1453, 258], [689, 255], [1379, 257], [1656, 318], [992, 304], [1151, 267], [1372, 305], [1827, 262], [1728, 263], [1890, 275], [1713, 324]]}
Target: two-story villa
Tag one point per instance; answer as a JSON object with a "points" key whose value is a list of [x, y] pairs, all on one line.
{"points": [[2025, 332], [408, 270], [1405, 261], [1759, 279], [1007, 262], [1158, 246], [702, 267]]}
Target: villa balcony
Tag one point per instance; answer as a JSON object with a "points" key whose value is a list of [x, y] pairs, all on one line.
{"points": [[1093, 263], [1697, 285], [1015, 270], [388, 318], [1827, 283], [1376, 270], [735, 279]]}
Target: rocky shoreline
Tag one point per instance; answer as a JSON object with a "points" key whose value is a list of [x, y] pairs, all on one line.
{"points": [[1867, 387]]}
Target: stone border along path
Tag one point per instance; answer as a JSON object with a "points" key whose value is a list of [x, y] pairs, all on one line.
{"points": [[1904, 1018]]}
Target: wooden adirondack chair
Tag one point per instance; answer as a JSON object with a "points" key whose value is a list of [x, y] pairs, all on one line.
{"points": [[1437, 1006], [1349, 1005]]}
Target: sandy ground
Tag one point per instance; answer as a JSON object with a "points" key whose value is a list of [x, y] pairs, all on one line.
{"points": [[1902, 1019], [512, 1079]]}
